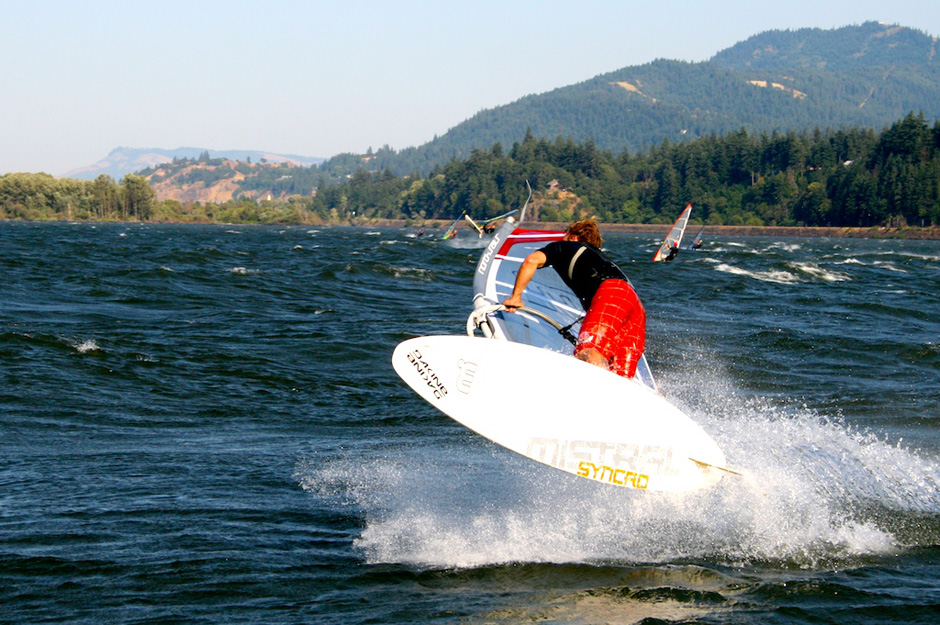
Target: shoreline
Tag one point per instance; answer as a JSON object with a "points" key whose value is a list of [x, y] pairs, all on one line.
{"points": [[875, 232]]}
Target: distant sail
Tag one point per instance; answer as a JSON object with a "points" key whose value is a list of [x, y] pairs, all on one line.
{"points": [[670, 245], [489, 225], [483, 222], [697, 241], [479, 226], [452, 231]]}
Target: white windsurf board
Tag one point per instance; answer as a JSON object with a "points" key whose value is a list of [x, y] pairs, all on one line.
{"points": [[557, 410]]}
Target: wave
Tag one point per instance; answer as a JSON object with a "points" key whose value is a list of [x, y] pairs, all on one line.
{"points": [[795, 272], [890, 266], [417, 273], [813, 270], [789, 248], [775, 276], [85, 346]]}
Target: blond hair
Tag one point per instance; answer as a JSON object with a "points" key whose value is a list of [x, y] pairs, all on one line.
{"points": [[586, 230]]}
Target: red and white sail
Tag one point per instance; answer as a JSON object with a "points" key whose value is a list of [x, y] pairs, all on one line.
{"points": [[674, 238]]}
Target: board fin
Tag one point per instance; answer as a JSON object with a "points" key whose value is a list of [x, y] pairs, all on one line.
{"points": [[714, 466]]}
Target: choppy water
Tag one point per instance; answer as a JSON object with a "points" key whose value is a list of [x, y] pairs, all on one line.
{"points": [[201, 424]]}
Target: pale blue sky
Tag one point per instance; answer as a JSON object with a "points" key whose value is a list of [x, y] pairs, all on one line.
{"points": [[81, 77]]}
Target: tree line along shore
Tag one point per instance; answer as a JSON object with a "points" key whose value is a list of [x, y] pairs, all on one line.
{"points": [[885, 184], [878, 232]]}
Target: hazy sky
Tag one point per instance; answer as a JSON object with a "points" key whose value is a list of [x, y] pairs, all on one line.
{"points": [[81, 77]]}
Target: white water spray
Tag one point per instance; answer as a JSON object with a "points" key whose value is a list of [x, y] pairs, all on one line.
{"points": [[813, 492]]}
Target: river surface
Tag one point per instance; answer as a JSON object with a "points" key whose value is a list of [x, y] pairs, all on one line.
{"points": [[200, 424]]}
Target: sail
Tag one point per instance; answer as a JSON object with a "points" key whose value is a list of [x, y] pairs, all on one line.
{"points": [[483, 222], [479, 226], [697, 241], [496, 275], [674, 238], [552, 314], [452, 231]]}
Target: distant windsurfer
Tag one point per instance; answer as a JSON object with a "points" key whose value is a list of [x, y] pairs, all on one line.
{"points": [[613, 331], [672, 251]]}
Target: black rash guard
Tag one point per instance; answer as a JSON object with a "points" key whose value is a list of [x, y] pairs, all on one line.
{"points": [[581, 266]]}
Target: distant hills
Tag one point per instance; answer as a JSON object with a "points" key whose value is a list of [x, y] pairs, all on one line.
{"points": [[862, 76], [124, 160], [207, 179], [868, 75]]}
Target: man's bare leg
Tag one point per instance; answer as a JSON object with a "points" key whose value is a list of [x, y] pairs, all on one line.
{"points": [[592, 356]]}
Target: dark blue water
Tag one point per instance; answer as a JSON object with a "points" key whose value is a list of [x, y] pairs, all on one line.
{"points": [[201, 424]]}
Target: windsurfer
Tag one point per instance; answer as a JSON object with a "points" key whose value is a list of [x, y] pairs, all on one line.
{"points": [[613, 331], [672, 251]]}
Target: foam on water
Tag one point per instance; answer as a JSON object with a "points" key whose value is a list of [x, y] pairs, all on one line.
{"points": [[890, 266], [467, 243], [787, 247], [796, 272], [85, 346], [776, 276], [418, 273], [814, 492], [244, 271], [813, 270]]}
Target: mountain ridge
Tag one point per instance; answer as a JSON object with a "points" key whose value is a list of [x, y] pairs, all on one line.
{"points": [[871, 43], [125, 160], [867, 75]]}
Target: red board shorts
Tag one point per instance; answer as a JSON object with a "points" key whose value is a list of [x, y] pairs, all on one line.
{"points": [[615, 325]]}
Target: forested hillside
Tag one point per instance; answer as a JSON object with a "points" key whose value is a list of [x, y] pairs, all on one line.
{"points": [[863, 76], [836, 178], [857, 76], [819, 178], [41, 196], [124, 160], [207, 179]]}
